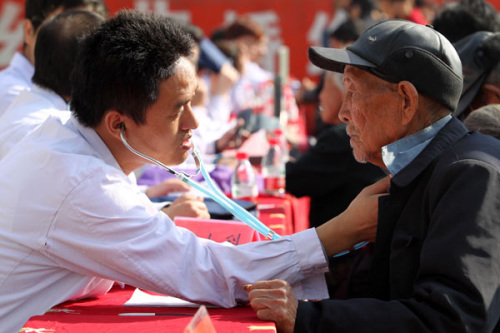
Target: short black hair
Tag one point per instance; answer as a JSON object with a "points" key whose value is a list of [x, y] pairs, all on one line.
{"points": [[349, 31], [96, 6], [38, 10], [121, 64], [457, 20], [56, 48]]}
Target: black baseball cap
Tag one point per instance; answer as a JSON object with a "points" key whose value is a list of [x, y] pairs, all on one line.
{"points": [[480, 53], [400, 50]]}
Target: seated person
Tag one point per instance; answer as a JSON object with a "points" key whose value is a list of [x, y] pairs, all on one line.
{"points": [[55, 51], [17, 76], [436, 255]]}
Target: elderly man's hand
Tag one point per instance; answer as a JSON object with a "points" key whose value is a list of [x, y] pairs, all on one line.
{"points": [[274, 301], [187, 205]]}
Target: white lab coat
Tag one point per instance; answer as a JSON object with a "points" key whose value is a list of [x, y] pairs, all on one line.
{"points": [[14, 79], [28, 110]]}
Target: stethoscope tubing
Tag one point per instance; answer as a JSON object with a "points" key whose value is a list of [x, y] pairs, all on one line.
{"points": [[235, 209]]}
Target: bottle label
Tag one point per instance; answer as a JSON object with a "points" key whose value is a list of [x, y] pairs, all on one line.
{"points": [[272, 184], [242, 174], [244, 192]]}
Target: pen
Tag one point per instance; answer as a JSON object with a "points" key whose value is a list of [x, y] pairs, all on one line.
{"points": [[154, 314]]}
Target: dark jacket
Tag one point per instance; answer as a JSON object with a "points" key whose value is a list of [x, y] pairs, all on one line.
{"points": [[436, 264], [329, 175]]}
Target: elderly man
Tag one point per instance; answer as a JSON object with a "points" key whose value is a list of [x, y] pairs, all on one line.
{"points": [[437, 250], [72, 221]]}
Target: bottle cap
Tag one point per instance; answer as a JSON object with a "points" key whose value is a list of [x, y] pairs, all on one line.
{"points": [[274, 141], [241, 155]]}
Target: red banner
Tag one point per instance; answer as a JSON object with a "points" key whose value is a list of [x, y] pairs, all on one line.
{"points": [[294, 23]]}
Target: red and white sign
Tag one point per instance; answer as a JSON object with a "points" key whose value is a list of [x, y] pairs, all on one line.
{"points": [[295, 23]]}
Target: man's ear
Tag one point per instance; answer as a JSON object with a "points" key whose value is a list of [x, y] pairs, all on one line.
{"points": [[409, 101], [29, 38], [29, 32], [114, 122]]}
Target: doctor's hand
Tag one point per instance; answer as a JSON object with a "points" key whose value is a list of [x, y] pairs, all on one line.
{"points": [[187, 205], [358, 223], [274, 301], [166, 187]]}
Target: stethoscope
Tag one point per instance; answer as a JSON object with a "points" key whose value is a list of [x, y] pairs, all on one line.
{"points": [[214, 192]]}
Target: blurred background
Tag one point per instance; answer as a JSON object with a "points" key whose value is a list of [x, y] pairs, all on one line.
{"points": [[294, 23]]}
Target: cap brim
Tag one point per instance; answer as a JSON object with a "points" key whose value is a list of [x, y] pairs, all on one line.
{"points": [[335, 59]]}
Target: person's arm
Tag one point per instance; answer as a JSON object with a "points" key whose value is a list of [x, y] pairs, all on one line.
{"points": [[121, 236]]}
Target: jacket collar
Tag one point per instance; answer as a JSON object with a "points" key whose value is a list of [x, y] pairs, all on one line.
{"points": [[451, 132]]}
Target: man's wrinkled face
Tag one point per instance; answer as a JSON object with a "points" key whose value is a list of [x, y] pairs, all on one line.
{"points": [[371, 110]]}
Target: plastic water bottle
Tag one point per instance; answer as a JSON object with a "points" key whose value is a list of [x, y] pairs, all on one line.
{"points": [[273, 169], [243, 181]]}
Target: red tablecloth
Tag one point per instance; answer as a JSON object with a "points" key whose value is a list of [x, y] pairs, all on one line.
{"points": [[101, 316]]}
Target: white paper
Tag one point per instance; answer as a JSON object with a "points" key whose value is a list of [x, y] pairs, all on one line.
{"points": [[141, 299]]}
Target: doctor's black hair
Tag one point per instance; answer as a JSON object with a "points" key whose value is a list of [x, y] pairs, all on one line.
{"points": [[56, 48], [121, 65], [38, 10]]}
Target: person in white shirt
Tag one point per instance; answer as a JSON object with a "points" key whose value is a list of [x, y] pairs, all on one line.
{"points": [[17, 76], [251, 41], [72, 221], [55, 51]]}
